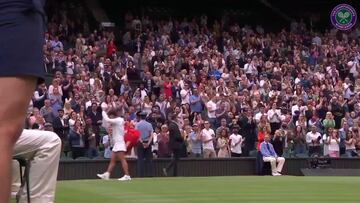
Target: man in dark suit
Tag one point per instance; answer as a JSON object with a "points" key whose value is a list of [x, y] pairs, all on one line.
{"points": [[61, 127], [60, 124], [176, 143], [94, 113]]}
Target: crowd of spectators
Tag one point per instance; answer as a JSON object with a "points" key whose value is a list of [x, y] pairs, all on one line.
{"points": [[228, 84]]}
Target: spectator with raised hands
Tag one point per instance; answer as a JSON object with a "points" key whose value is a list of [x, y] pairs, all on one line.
{"points": [[223, 144], [333, 142], [259, 82], [208, 137]]}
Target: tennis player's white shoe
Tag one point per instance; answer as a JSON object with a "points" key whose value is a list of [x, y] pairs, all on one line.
{"points": [[125, 178], [104, 176]]}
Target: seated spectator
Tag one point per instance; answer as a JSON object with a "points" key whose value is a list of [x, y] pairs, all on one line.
{"points": [[43, 149], [269, 155]]}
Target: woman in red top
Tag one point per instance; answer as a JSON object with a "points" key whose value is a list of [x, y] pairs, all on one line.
{"points": [[261, 135], [259, 161], [111, 48], [131, 136], [167, 88]]}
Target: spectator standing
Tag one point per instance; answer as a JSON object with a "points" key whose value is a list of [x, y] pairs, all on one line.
{"points": [[208, 136], [314, 141], [77, 140], [235, 142], [106, 141], [350, 142], [163, 143], [333, 142], [299, 139], [176, 144], [195, 141], [223, 144], [144, 152]]}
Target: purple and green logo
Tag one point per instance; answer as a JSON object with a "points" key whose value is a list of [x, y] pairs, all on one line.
{"points": [[343, 17]]}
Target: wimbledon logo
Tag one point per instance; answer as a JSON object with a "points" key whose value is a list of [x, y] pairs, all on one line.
{"points": [[343, 17]]}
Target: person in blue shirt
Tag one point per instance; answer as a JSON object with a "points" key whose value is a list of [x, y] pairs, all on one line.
{"points": [[195, 102], [144, 152], [269, 155], [195, 140]]}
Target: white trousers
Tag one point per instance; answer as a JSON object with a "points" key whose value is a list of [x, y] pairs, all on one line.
{"points": [[43, 149], [273, 161]]}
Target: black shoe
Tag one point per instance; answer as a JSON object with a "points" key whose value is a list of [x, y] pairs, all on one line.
{"points": [[164, 171]]}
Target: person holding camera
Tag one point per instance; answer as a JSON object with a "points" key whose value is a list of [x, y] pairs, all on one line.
{"points": [[314, 141]]}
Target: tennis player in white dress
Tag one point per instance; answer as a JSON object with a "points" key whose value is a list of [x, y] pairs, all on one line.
{"points": [[119, 146]]}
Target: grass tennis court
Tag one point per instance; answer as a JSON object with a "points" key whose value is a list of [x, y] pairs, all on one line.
{"points": [[239, 189]]}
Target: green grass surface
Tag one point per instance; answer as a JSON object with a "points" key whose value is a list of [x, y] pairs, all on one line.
{"points": [[240, 189]]}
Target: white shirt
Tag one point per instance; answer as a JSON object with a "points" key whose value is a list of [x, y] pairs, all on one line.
{"points": [[235, 138], [185, 95], [272, 117], [333, 145], [258, 116], [211, 106], [107, 151], [294, 108], [117, 125], [312, 136], [207, 135], [155, 145]]}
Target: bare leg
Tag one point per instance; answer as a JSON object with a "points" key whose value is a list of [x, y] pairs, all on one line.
{"points": [[124, 164], [13, 110], [112, 162]]}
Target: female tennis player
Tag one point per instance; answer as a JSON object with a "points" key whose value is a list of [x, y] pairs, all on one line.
{"points": [[119, 148]]}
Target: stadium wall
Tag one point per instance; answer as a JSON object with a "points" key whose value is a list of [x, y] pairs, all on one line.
{"points": [[87, 169]]}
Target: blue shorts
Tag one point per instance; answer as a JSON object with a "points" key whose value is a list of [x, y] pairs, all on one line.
{"points": [[21, 44]]}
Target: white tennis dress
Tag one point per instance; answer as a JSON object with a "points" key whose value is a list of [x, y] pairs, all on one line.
{"points": [[117, 125]]}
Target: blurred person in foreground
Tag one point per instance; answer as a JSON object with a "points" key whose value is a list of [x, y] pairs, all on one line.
{"points": [[21, 64], [269, 155], [43, 149], [119, 148]]}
